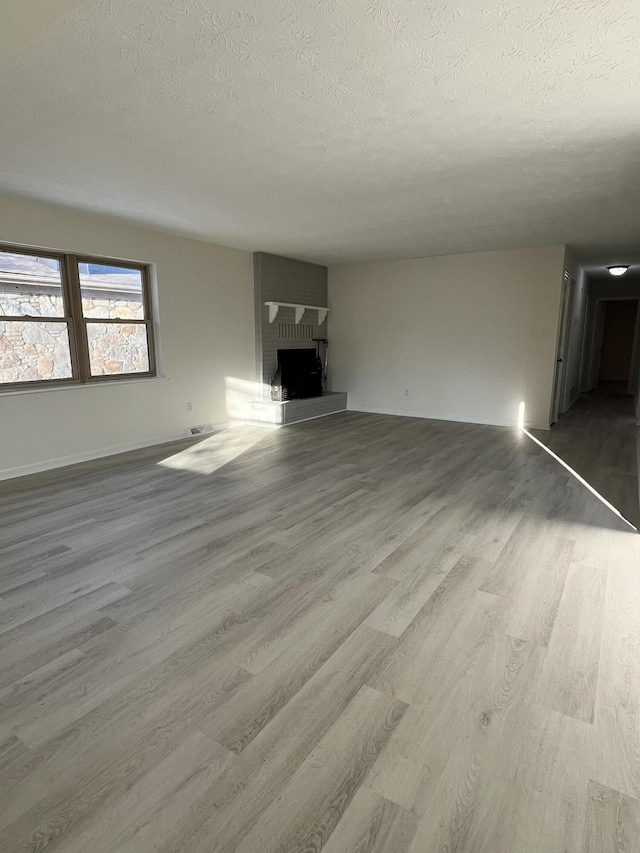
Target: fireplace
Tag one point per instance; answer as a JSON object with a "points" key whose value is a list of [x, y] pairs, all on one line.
{"points": [[298, 375]]}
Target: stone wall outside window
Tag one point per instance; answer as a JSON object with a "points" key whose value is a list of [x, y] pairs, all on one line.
{"points": [[35, 351]]}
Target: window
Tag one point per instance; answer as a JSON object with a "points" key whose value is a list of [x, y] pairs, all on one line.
{"points": [[72, 319]]}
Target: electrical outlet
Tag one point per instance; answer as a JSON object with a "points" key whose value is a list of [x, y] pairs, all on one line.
{"points": [[406, 392], [189, 407]]}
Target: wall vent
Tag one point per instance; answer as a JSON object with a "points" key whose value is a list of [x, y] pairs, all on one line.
{"points": [[291, 331], [201, 429]]}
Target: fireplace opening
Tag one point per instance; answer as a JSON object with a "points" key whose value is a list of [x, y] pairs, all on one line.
{"points": [[298, 375]]}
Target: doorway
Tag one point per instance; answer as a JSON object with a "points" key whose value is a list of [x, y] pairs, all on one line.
{"points": [[615, 356], [614, 351]]}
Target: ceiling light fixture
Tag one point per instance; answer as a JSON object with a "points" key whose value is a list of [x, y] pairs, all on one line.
{"points": [[617, 270]]}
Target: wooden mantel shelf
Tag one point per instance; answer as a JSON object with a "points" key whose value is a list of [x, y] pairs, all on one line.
{"points": [[274, 307]]}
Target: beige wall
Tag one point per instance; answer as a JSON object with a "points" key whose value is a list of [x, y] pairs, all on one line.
{"points": [[467, 336], [205, 298]]}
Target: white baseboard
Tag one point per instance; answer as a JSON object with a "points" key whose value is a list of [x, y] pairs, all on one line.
{"points": [[88, 455], [408, 413]]}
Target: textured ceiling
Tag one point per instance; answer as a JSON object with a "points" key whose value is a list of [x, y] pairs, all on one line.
{"points": [[332, 130]]}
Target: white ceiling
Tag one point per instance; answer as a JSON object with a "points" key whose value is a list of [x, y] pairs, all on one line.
{"points": [[331, 130]]}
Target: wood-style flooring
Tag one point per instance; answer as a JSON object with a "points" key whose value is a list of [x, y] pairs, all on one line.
{"points": [[598, 438], [361, 634]]}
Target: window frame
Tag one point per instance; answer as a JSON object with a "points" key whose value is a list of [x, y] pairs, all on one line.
{"points": [[77, 323]]}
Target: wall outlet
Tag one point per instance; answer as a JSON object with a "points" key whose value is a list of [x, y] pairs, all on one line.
{"points": [[406, 392], [189, 407]]}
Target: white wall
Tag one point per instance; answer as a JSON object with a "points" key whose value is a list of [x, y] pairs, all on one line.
{"points": [[205, 297], [468, 336]]}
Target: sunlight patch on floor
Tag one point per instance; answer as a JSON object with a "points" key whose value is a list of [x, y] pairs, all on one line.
{"points": [[215, 452]]}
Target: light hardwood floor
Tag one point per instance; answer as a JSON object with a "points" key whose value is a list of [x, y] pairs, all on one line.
{"points": [[598, 438], [361, 633]]}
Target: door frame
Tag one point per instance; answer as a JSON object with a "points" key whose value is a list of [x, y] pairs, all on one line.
{"points": [[559, 375], [595, 345]]}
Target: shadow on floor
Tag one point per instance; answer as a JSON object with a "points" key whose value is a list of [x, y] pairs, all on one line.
{"points": [[598, 439]]}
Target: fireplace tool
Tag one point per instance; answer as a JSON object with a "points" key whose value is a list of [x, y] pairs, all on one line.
{"points": [[322, 353]]}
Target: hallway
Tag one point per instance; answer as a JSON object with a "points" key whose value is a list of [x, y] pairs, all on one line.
{"points": [[598, 439]]}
